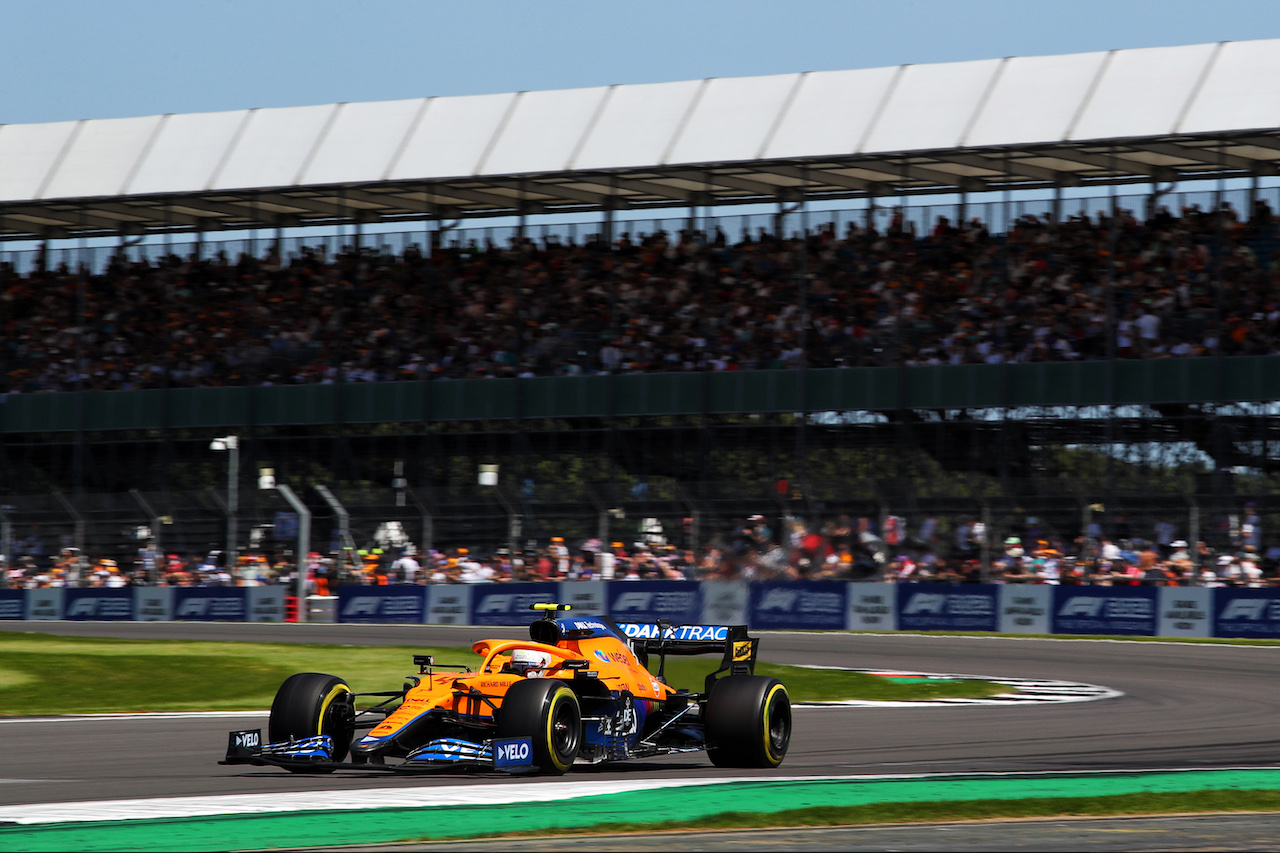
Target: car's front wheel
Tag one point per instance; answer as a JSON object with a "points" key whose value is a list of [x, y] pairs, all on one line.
{"points": [[748, 720], [546, 711], [310, 704]]}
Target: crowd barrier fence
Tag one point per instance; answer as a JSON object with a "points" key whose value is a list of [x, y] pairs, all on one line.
{"points": [[769, 605]]}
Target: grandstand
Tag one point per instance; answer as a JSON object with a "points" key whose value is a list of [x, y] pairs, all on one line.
{"points": [[683, 455]]}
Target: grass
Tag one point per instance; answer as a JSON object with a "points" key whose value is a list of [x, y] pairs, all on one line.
{"points": [[142, 675], [44, 674]]}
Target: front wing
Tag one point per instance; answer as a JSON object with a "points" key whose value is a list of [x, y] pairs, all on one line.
{"points": [[511, 755]]}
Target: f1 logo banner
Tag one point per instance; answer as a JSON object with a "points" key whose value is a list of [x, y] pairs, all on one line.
{"points": [[1246, 613], [209, 604], [678, 602], [947, 607], [799, 604], [397, 603], [1105, 610], [98, 605], [11, 604], [508, 603]]}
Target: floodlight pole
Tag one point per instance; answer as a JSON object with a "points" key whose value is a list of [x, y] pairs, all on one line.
{"points": [[304, 546], [233, 499], [231, 444]]}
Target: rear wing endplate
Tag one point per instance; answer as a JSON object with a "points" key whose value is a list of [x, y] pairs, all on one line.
{"points": [[662, 638]]}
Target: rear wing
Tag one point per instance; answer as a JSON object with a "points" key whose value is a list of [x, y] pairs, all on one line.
{"points": [[662, 638]]}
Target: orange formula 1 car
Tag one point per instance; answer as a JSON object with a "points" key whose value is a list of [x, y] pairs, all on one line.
{"points": [[579, 691]]}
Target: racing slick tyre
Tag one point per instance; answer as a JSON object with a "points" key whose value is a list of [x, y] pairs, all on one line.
{"points": [[748, 719], [546, 711], [310, 704]]}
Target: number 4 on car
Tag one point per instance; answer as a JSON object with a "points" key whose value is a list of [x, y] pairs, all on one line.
{"points": [[578, 691]]}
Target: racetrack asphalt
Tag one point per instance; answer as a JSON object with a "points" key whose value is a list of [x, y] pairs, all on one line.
{"points": [[1184, 706]]}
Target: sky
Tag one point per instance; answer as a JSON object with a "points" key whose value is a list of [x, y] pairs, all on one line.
{"points": [[89, 59]]}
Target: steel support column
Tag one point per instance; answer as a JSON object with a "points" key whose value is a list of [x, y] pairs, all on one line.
{"points": [[303, 548]]}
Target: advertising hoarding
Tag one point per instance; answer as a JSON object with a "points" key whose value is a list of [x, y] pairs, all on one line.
{"points": [[394, 603], [209, 604], [1185, 611], [449, 604], [725, 602], [1105, 610], [43, 604], [12, 604], [678, 602], [1024, 608], [508, 603], [947, 607], [799, 605], [98, 604], [587, 598], [1247, 613], [872, 607]]}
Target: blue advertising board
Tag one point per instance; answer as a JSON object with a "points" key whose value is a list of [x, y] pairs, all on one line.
{"points": [[798, 605], [210, 604], [98, 605], [11, 604], [678, 602], [948, 607], [394, 603], [508, 603], [1246, 613], [1106, 610]]}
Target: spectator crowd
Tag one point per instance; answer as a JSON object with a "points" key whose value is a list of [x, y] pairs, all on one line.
{"points": [[1199, 283], [951, 550]]}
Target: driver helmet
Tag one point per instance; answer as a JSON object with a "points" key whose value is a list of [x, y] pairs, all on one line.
{"points": [[528, 661]]}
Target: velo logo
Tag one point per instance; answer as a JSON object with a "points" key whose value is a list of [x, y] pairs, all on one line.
{"points": [[511, 753]]}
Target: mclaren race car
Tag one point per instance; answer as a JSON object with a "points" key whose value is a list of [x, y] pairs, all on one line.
{"points": [[579, 691]]}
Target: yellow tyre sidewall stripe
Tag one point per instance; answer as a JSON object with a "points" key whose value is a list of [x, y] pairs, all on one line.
{"points": [[338, 690], [768, 742], [557, 696]]}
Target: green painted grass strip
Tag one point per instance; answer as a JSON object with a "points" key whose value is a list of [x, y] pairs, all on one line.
{"points": [[680, 805]]}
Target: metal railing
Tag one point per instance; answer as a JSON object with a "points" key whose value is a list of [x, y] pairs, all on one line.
{"points": [[997, 216], [658, 514]]}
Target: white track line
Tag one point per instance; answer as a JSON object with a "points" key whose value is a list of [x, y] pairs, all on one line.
{"points": [[369, 798], [1030, 691], [149, 715]]}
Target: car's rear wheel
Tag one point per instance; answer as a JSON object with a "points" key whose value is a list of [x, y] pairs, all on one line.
{"points": [[546, 711], [748, 719], [310, 704]]}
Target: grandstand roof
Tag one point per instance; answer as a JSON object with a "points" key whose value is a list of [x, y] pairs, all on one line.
{"points": [[1143, 115]]}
